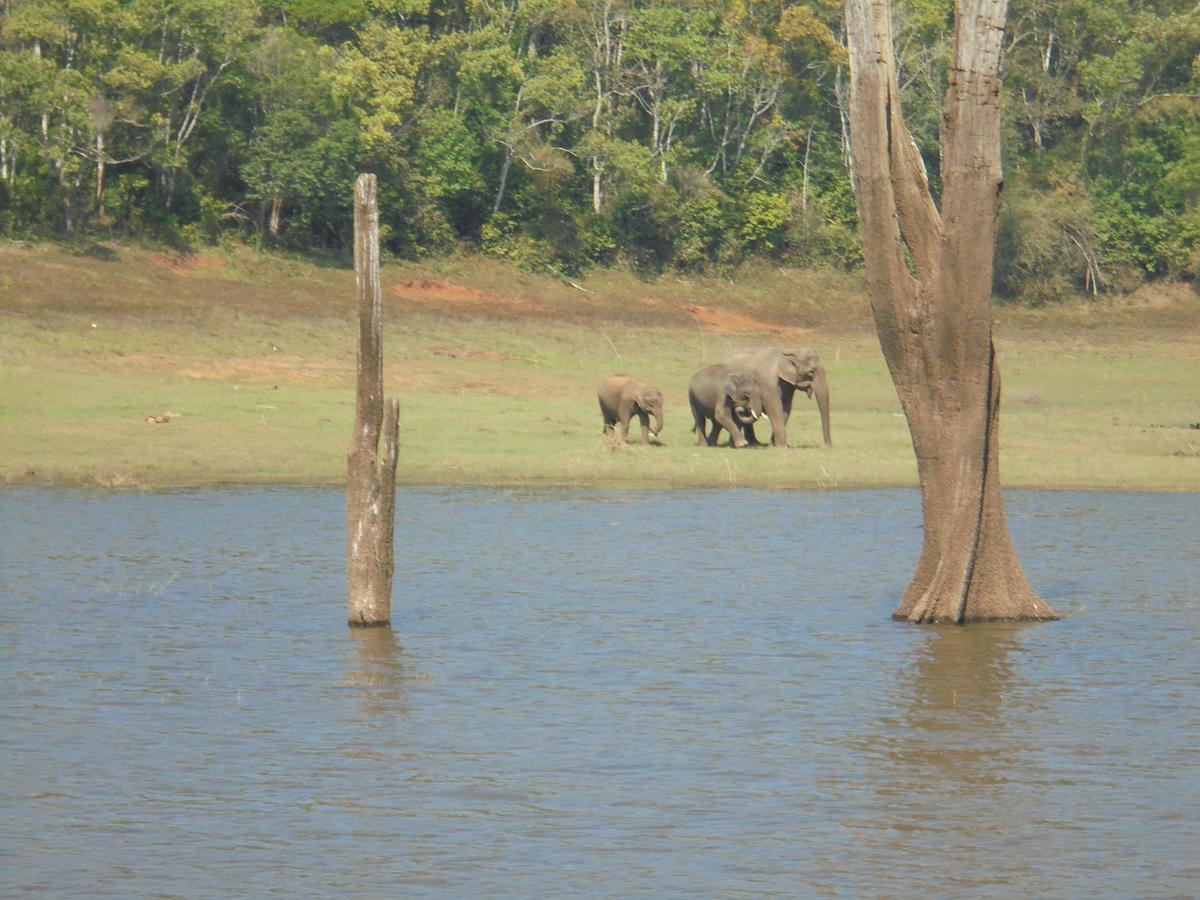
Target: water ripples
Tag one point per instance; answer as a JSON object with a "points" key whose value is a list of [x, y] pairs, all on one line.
{"points": [[631, 694]]}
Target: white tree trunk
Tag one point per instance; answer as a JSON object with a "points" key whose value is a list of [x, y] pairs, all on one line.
{"points": [[371, 468]]}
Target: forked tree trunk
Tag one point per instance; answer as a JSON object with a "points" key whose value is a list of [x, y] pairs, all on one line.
{"points": [[930, 278], [371, 468]]}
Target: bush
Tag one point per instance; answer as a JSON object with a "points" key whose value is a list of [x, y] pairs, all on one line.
{"points": [[818, 239], [500, 237], [1047, 249], [703, 231], [646, 217], [766, 217]]}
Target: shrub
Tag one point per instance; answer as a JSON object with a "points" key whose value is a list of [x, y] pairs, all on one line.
{"points": [[1047, 248], [766, 217]]}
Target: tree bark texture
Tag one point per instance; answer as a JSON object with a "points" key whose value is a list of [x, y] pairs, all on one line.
{"points": [[371, 463], [929, 274]]}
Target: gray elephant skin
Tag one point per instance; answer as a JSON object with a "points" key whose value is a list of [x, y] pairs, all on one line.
{"points": [[780, 374], [727, 398], [623, 397]]}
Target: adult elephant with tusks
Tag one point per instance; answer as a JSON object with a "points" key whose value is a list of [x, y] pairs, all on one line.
{"points": [[780, 374], [623, 397], [729, 399]]}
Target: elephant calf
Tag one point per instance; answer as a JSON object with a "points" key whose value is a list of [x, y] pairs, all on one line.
{"points": [[622, 398], [728, 398]]}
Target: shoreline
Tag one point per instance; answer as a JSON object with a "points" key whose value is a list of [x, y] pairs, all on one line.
{"points": [[582, 487]]}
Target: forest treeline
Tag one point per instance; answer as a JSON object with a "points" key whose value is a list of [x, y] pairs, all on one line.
{"points": [[560, 134]]}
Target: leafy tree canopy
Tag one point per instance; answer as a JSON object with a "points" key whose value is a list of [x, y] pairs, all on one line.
{"points": [[566, 133]]}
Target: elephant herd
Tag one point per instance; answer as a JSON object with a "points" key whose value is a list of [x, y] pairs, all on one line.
{"points": [[732, 395]]}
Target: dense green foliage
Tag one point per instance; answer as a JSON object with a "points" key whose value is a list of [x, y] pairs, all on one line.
{"points": [[565, 133]]}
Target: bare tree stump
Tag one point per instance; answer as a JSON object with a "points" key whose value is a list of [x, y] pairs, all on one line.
{"points": [[929, 273], [370, 467]]}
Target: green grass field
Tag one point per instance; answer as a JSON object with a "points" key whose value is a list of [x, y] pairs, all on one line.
{"points": [[252, 357]]}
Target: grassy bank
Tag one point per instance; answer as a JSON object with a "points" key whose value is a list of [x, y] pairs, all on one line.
{"points": [[252, 360]]}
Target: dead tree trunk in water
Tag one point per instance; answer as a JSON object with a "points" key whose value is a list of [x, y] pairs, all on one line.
{"points": [[370, 468], [930, 279]]}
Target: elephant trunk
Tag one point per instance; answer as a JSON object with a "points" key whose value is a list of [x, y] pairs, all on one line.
{"points": [[745, 414], [820, 388], [658, 422]]}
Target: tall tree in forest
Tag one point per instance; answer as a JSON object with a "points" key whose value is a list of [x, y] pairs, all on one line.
{"points": [[664, 45], [302, 155], [61, 63], [199, 41], [929, 273], [603, 27], [739, 85]]}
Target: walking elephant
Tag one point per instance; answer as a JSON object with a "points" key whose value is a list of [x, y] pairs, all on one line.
{"points": [[621, 398], [728, 399], [780, 374]]}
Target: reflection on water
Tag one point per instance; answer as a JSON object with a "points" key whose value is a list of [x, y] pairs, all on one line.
{"points": [[376, 665], [957, 754], [589, 693]]}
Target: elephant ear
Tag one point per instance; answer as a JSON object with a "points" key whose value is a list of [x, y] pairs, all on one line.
{"points": [[789, 366], [796, 367]]}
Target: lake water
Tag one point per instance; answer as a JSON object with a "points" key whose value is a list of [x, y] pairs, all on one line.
{"points": [[605, 694]]}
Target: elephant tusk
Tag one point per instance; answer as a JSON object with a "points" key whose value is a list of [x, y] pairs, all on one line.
{"points": [[745, 415]]}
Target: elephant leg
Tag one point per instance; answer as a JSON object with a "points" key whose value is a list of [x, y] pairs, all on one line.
{"points": [[699, 419], [749, 435], [609, 428], [645, 420], [773, 407], [713, 434], [786, 398], [779, 434], [625, 429], [721, 415]]}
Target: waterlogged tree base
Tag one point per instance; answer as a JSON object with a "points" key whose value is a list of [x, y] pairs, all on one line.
{"points": [[384, 623], [998, 606], [968, 570], [989, 592], [998, 619]]}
